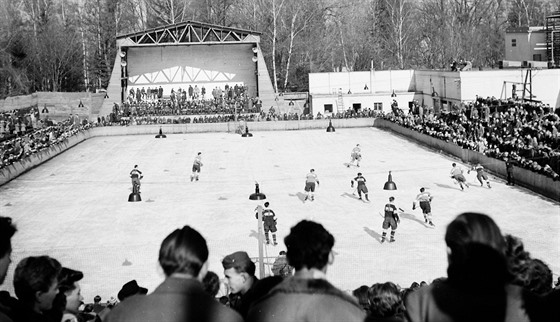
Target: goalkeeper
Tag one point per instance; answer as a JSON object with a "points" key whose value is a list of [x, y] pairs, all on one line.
{"points": [[269, 223]]}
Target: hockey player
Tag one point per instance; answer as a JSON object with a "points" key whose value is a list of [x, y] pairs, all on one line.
{"points": [[361, 181], [424, 199], [457, 174], [136, 175], [310, 181], [356, 155], [269, 223], [196, 166], [391, 220], [481, 174]]}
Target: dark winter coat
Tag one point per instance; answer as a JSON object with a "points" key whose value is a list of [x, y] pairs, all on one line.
{"points": [[297, 299]]}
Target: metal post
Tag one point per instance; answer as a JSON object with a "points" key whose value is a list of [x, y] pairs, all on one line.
{"points": [[260, 233]]}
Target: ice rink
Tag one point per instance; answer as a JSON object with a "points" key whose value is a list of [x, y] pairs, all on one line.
{"points": [[75, 207]]}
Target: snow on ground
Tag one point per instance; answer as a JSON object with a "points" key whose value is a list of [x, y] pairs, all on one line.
{"points": [[74, 207]]}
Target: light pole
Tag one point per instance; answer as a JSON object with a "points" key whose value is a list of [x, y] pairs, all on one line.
{"points": [[259, 196]]}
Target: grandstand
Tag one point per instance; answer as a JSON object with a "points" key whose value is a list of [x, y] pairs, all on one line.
{"points": [[188, 54]]}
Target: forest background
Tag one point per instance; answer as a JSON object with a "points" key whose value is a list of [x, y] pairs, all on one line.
{"points": [[70, 45]]}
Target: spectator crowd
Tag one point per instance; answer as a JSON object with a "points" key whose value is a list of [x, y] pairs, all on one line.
{"points": [[490, 277], [22, 134], [524, 133]]}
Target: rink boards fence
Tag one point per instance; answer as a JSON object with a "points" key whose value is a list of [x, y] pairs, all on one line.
{"points": [[536, 182]]}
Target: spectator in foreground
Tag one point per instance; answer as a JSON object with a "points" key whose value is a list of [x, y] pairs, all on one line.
{"points": [[36, 286], [280, 267], [183, 256], [385, 303], [361, 294], [307, 296], [70, 293], [211, 283], [239, 270], [7, 230], [477, 286]]}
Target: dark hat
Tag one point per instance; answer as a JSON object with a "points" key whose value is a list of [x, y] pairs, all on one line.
{"points": [[67, 277], [237, 259], [129, 289]]}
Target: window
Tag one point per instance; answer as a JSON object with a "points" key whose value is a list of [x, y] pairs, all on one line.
{"points": [[378, 106], [356, 106], [537, 57], [514, 43], [328, 108]]}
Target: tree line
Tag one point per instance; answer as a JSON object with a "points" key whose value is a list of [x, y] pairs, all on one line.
{"points": [[70, 45]]}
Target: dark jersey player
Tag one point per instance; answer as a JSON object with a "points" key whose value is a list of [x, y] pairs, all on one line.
{"points": [[391, 220], [269, 223], [361, 181]]}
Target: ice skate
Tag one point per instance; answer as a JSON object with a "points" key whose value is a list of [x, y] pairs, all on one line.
{"points": [[367, 198], [392, 240], [488, 184], [382, 240], [431, 225], [275, 243], [312, 198]]}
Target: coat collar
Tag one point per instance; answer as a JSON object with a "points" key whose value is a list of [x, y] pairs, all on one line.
{"points": [[179, 285], [295, 285]]}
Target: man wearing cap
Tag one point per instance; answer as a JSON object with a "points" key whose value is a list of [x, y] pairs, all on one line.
{"points": [[69, 298], [240, 276], [307, 296], [183, 256]]}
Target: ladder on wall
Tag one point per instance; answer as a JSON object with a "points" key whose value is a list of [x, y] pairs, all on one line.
{"points": [[340, 102]]}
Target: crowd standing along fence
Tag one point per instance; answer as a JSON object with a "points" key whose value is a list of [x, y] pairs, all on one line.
{"points": [[536, 182]]}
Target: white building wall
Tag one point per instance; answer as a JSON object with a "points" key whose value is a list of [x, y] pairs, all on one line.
{"points": [[527, 44], [384, 81], [447, 87]]}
